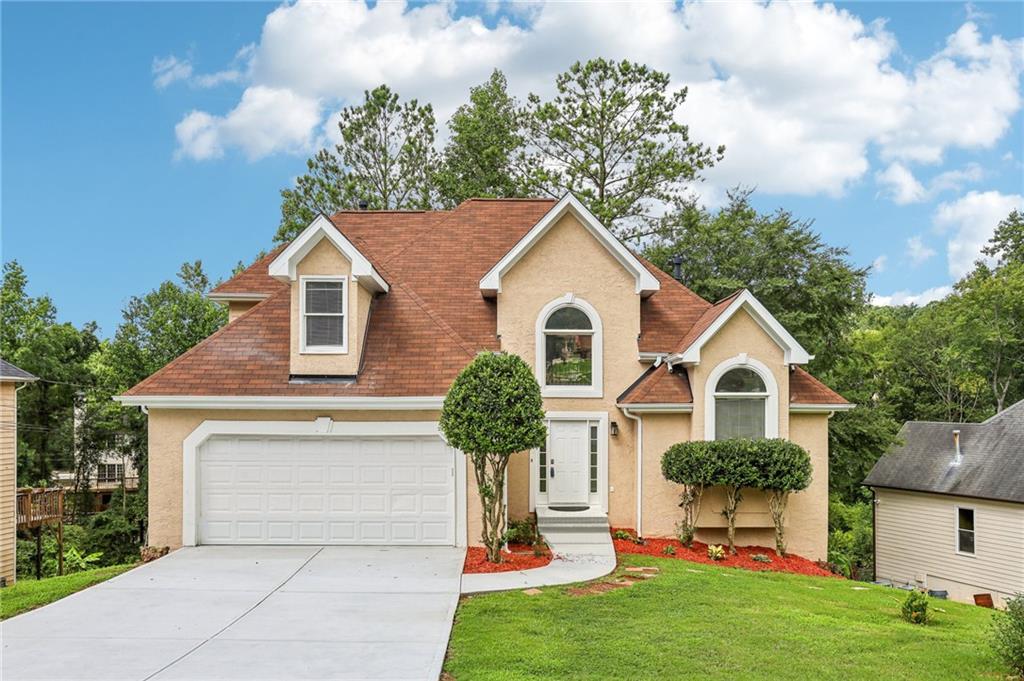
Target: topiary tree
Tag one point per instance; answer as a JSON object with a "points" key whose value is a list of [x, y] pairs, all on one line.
{"points": [[734, 469], [692, 465], [782, 467], [492, 411]]}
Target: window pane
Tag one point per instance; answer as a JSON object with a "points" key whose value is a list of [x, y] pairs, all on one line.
{"points": [[567, 360], [739, 418], [740, 380], [593, 458], [325, 330], [324, 297], [965, 541], [965, 519], [568, 318], [542, 458]]}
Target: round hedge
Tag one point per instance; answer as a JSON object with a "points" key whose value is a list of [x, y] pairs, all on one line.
{"points": [[494, 407]]}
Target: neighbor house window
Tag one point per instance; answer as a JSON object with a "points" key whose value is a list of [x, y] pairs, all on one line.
{"points": [[740, 400], [568, 342], [109, 472], [323, 314], [965, 530]]}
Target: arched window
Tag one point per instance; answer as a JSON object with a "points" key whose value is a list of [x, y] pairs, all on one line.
{"points": [[568, 348], [741, 400]]}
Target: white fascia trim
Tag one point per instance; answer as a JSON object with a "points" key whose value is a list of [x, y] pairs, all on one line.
{"points": [[237, 297], [257, 402], [657, 407], [321, 427], [17, 379], [284, 265], [646, 283], [794, 352], [819, 408]]}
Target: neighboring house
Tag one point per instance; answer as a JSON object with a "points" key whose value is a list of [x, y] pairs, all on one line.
{"points": [[112, 471], [312, 416], [949, 507], [11, 379]]}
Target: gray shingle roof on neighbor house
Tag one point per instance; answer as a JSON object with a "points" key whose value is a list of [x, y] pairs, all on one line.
{"points": [[9, 372], [992, 465]]}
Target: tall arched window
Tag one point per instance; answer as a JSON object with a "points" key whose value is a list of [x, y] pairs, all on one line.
{"points": [[568, 348], [741, 399]]}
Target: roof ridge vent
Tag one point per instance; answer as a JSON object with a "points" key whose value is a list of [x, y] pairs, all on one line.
{"points": [[957, 457]]}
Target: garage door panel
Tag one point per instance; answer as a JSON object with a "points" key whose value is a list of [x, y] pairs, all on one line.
{"points": [[326, 490]]}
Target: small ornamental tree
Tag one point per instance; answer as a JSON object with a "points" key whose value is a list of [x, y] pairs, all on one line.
{"points": [[734, 470], [492, 411], [692, 465], [782, 467]]}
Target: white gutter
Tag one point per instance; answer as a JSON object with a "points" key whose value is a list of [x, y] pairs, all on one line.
{"points": [[274, 402], [639, 469], [237, 297], [660, 407], [820, 408]]}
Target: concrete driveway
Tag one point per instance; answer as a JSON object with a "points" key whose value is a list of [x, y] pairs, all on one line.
{"points": [[218, 612]]}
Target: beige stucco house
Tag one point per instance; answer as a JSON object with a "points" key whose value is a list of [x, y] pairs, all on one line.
{"points": [[312, 416], [949, 508], [11, 379]]}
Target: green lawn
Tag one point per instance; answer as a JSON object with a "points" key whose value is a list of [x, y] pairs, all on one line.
{"points": [[27, 594], [702, 622]]}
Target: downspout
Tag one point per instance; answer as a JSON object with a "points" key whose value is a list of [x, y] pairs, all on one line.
{"points": [[639, 469], [874, 536]]}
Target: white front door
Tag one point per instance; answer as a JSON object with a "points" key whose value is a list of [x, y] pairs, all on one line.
{"points": [[568, 463]]}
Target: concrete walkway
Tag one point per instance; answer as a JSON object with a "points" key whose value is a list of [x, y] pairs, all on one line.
{"points": [[573, 562], [249, 613]]}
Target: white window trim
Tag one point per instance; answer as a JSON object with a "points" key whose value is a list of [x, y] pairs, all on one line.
{"points": [[323, 349], [601, 417], [320, 427], [956, 530], [596, 387], [771, 404]]}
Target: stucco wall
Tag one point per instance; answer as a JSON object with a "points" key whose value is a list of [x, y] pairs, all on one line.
{"points": [[568, 259], [324, 259], [915, 543], [8, 478], [168, 429]]}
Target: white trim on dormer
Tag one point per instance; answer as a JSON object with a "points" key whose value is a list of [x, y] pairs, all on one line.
{"points": [[284, 266], [794, 352], [646, 283]]}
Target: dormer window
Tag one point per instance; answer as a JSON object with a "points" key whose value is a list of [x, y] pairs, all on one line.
{"points": [[741, 400], [569, 349], [324, 301]]}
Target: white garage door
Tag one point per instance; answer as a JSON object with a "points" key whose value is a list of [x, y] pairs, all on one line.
{"points": [[309, 490]]}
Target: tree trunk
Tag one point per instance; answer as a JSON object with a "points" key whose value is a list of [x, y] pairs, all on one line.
{"points": [[489, 470], [733, 497], [777, 500], [690, 503]]}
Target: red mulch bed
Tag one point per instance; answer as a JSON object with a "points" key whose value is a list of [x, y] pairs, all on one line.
{"points": [[520, 558], [699, 554]]}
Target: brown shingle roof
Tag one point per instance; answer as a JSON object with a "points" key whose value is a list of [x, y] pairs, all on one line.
{"points": [[806, 389], [658, 386], [426, 328]]}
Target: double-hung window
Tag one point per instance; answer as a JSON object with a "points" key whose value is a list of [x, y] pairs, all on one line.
{"points": [[741, 399], [323, 306], [965, 530]]}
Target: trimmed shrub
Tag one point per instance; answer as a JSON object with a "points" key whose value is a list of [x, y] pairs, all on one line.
{"points": [[492, 411], [690, 464], [782, 467], [1008, 634], [915, 608], [716, 552]]}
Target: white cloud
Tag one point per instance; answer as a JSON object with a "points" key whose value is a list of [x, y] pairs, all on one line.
{"points": [[899, 183], [878, 266], [797, 92], [167, 70], [266, 121], [909, 298], [918, 251], [972, 219]]}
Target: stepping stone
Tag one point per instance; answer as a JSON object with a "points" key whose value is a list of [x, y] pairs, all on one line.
{"points": [[641, 569], [816, 588], [648, 575], [859, 588], [624, 582], [532, 592]]}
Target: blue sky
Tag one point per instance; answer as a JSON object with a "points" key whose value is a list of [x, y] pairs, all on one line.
{"points": [[138, 136]]}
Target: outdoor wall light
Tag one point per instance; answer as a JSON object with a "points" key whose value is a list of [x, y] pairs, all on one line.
{"points": [[614, 428]]}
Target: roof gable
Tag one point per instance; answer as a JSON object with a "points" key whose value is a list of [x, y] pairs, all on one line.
{"points": [[284, 266], [715, 317], [646, 283]]}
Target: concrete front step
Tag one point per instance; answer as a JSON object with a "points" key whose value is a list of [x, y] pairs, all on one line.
{"points": [[573, 521]]}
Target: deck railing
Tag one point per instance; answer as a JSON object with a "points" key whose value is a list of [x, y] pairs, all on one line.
{"points": [[37, 506]]}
